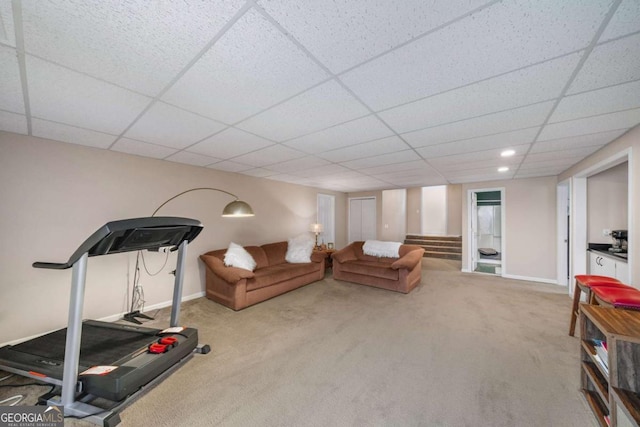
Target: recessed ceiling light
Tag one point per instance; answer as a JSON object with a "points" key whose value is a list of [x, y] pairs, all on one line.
{"points": [[503, 169], [507, 153]]}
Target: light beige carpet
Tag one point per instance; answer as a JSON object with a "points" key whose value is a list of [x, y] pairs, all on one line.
{"points": [[460, 350]]}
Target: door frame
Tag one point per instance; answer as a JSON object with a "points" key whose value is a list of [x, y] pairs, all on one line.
{"points": [[563, 194], [471, 257], [579, 240]]}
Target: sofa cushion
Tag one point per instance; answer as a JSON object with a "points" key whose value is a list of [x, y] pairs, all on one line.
{"points": [[259, 256], [377, 268], [275, 252], [279, 273]]}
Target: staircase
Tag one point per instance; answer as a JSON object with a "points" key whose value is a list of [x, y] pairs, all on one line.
{"points": [[447, 247]]}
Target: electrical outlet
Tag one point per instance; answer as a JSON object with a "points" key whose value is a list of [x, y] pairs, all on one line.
{"points": [[606, 232]]}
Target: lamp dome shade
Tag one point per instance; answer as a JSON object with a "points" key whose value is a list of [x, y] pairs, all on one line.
{"points": [[238, 208]]}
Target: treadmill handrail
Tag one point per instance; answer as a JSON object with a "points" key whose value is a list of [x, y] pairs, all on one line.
{"points": [[104, 241]]}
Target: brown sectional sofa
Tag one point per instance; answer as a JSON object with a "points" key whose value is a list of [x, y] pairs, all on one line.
{"points": [[237, 288], [396, 274]]}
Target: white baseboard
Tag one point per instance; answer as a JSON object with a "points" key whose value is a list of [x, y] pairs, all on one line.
{"points": [[114, 317], [531, 279], [157, 306], [526, 278]]}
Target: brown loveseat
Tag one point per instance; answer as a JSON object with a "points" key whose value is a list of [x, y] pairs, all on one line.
{"points": [[237, 288], [396, 274]]}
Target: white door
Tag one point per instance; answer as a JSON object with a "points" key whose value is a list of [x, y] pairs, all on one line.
{"points": [[327, 217], [362, 219]]}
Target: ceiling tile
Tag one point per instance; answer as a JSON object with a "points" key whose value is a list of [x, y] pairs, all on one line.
{"points": [[192, 158], [540, 174], [502, 140], [74, 135], [259, 172], [327, 171], [561, 154], [605, 122], [541, 82], [425, 172], [268, 156], [323, 106], [345, 134], [60, 95], [7, 29], [300, 164], [480, 175], [595, 139], [557, 162], [489, 171], [601, 101], [385, 159], [229, 166], [166, 125], [10, 84], [625, 21], [344, 33], [410, 165], [12, 122], [140, 148], [493, 162], [519, 118], [476, 156], [136, 44], [609, 64], [230, 143], [252, 67], [502, 38], [366, 149]]}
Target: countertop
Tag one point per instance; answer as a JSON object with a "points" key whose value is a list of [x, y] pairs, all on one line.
{"points": [[603, 249]]}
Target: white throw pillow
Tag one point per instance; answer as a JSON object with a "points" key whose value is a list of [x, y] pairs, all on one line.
{"points": [[299, 249], [237, 256]]}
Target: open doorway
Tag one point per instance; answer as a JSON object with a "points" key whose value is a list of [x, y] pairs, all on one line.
{"points": [[487, 230]]}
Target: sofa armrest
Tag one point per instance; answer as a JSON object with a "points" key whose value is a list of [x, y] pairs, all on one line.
{"points": [[409, 260], [318, 256], [228, 274], [344, 255]]}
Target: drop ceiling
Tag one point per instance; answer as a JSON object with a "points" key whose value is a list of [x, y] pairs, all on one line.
{"points": [[347, 95]]}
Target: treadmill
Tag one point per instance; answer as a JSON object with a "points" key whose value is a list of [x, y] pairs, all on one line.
{"points": [[103, 363]]}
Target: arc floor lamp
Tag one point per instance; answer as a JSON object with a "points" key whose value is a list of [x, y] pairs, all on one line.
{"points": [[236, 209]]}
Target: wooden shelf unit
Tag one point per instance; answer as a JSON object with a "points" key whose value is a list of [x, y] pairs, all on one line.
{"points": [[614, 393]]}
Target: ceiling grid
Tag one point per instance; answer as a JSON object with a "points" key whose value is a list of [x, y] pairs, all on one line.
{"points": [[349, 95]]}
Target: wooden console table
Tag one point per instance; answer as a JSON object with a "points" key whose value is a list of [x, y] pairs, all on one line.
{"points": [[610, 373]]}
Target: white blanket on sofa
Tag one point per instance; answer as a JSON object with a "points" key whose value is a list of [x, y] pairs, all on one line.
{"points": [[381, 249]]}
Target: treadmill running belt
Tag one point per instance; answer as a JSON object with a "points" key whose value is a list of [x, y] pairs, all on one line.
{"points": [[99, 346]]}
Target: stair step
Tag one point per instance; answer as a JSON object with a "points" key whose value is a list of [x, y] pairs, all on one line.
{"points": [[443, 238], [442, 255], [442, 243], [442, 249]]}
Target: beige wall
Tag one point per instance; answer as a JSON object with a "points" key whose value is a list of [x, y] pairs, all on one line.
{"points": [[631, 140], [454, 210], [607, 202], [530, 227], [54, 195], [414, 210], [394, 215]]}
